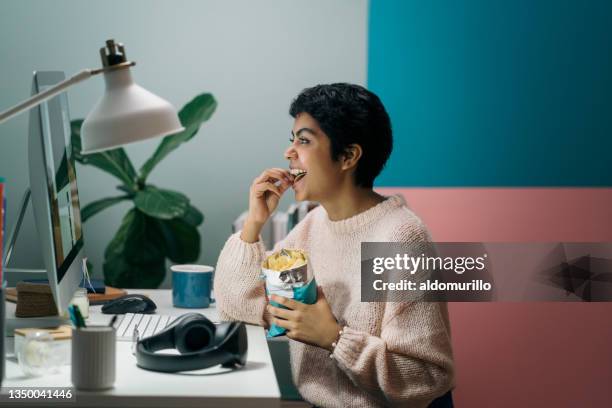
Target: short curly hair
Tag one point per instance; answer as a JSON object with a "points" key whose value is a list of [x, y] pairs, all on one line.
{"points": [[350, 114]]}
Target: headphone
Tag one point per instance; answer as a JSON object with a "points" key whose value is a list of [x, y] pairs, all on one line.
{"points": [[202, 344]]}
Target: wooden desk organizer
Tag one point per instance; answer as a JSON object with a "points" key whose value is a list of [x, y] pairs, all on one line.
{"points": [[34, 300]]}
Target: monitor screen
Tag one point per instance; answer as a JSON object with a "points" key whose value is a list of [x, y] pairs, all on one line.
{"points": [[61, 181]]}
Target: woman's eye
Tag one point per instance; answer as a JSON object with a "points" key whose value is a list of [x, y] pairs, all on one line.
{"points": [[301, 140]]}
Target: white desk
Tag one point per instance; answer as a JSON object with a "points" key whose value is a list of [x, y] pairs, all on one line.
{"points": [[253, 385]]}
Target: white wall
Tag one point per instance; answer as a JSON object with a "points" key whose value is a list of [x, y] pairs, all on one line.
{"points": [[254, 56]]}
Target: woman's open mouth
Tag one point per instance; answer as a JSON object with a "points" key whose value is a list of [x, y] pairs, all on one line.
{"points": [[299, 174]]}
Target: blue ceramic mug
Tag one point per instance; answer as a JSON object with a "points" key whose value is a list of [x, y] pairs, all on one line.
{"points": [[191, 285]]}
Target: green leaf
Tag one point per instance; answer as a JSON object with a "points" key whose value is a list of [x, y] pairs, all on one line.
{"points": [[116, 272], [95, 207], [181, 240], [145, 242], [136, 255], [127, 189], [162, 204], [117, 245], [138, 240], [193, 216], [115, 162], [120, 273], [192, 115]]}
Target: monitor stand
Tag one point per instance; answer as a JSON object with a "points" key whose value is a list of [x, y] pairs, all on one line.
{"points": [[11, 323], [11, 239]]}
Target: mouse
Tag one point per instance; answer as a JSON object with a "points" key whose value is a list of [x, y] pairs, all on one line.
{"points": [[132, 303]]}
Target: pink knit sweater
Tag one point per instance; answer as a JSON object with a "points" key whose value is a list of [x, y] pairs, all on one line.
{"points": [[389, 353]]}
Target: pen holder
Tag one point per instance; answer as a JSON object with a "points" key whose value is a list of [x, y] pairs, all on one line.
{"points": [[93, 357]]}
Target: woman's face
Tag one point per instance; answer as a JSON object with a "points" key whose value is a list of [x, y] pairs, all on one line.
{"points": [[310, 150]]}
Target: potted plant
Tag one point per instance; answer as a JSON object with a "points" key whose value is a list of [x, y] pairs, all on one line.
{"points": [[163, 223]]}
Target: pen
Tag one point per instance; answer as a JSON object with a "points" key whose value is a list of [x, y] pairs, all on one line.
{"points": [[79, 316], [113, 320], [73, 317]]}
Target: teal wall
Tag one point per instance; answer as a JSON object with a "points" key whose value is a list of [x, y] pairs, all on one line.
{"points": [[495, 93]]}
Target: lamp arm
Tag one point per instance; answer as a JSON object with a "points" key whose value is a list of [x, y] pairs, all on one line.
{"points": [[46, 94]]}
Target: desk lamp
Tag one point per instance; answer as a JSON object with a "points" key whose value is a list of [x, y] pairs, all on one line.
{"points": [[126, 112]]}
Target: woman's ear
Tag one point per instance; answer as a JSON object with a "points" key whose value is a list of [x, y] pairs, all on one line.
{"points": [[351, 156]]}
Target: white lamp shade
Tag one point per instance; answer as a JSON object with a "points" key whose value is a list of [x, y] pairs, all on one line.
{"points": [[126, 113]]}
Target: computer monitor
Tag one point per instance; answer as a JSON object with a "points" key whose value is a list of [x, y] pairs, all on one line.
{"points": [[55, 197]]}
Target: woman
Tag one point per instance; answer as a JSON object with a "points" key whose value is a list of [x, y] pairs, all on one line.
{"points": [[381, 353]]}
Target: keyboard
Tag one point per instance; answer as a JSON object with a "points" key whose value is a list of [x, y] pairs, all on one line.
{"points": [[148, 325]]}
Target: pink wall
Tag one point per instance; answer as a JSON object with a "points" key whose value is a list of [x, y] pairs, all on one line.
{"points": [[525, 354]]}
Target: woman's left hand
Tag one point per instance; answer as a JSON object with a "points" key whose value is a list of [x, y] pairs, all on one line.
{"points": [[311, 324]]}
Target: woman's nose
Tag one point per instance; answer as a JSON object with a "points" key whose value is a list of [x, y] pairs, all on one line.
{"points": [[290, 153]]}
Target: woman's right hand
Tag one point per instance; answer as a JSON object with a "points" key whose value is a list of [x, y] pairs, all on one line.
{"points": [[264, 196]]}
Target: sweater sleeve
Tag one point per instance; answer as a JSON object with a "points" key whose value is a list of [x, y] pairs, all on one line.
{"points": [[239, 291], [410, 362]]}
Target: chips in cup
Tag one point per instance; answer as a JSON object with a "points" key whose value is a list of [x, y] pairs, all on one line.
{"points": [[286, 274], [285, 270]]}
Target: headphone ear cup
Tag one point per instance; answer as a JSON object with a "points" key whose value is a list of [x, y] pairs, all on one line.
{"points": [[236, 344], [194, 334]]}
